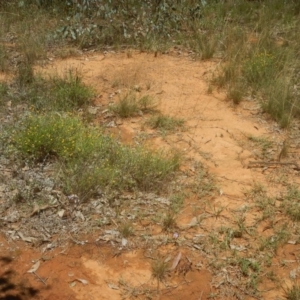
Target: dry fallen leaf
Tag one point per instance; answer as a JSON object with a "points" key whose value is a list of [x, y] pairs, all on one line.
{"points": [[83, 281], [124, 242], [34, 267], [25, 238], [61, 213], [112, 286], [176, 261], [193, 222]]}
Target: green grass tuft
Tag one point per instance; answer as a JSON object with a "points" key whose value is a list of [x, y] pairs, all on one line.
{"points": [[165, 123], [130, 106]]}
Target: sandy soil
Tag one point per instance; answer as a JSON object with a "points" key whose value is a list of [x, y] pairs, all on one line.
{"points": [[216, 135]]}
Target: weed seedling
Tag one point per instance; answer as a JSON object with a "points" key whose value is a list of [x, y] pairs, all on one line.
{"points": [[159, 269], [169, 221], [126, 230]]}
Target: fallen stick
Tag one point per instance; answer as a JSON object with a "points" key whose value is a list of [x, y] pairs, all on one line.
{"points": [[260, 164]]}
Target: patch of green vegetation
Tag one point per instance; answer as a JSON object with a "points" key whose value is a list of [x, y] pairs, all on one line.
{"points": [[165, 123], [70, 92], [246, 265], [55, 94], [92, 160], [52, 134]]}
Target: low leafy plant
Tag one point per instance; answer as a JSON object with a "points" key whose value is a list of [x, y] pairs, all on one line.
{"points": [[272, 243], [50, 134]]}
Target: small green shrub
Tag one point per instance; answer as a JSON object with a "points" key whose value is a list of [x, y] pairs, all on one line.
{"points": [[177, 201], [49, 134], [32, 46]]}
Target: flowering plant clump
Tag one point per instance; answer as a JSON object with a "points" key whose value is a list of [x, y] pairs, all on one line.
{"points": [[91, 159], [52, 134]]}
